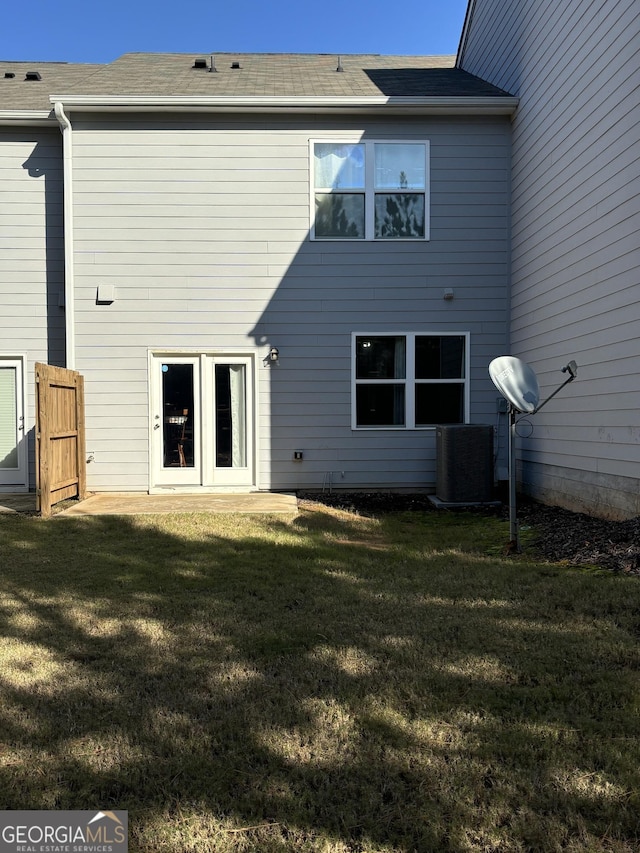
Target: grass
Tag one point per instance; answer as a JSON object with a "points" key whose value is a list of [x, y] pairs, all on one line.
{"points": [[321, 683]]}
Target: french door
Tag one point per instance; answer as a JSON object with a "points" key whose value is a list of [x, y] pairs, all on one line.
{"points": [[13, 445], [202, 431]]}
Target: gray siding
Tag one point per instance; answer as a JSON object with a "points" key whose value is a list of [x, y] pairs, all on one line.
{"points": [[31, 254], [202, 226], [575, 248]]}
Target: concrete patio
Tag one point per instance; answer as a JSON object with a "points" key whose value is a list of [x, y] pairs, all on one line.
{"points": [[128, 503]]}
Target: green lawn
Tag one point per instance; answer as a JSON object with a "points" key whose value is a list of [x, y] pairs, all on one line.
{"points": [[321, 683]]}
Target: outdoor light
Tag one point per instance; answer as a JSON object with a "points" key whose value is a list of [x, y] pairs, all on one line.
{"points": [[272, 357]]}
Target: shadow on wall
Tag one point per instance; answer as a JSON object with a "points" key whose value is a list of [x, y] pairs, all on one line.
{"points": [[44, 164], [345, 283]]}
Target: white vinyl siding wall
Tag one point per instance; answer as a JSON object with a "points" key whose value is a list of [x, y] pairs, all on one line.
{"points": [[575, 248], [202, 227], [31, 255]]}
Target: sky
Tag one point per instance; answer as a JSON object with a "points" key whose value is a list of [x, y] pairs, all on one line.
{"points": [[98, 31]]}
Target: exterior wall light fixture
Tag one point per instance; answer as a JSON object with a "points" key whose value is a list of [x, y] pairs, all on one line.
{"points": [[273, 356]]}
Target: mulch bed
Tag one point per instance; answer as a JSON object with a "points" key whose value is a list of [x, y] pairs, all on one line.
{"points": [[560, 535], [579, 539]]}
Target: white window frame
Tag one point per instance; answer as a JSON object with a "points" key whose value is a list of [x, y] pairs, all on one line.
{"points": [[409, 380], [19, 482], [369, 190]]}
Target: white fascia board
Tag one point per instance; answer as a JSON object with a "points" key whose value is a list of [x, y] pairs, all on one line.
{"points": [[485, 105], [38, 118]]}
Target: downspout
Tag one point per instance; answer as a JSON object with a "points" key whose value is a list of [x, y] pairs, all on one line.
{"points": [[69, 301]]}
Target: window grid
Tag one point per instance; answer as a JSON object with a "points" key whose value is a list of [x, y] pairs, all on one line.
{"points": [[370, 191], [409, 382]]}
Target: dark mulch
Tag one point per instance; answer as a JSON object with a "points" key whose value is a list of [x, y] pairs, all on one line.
{"points": [[559, 535]]}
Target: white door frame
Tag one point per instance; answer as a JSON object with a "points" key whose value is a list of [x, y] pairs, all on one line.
{"points": [[203, 475], [228, 476], [16, 479], [162, 476]]}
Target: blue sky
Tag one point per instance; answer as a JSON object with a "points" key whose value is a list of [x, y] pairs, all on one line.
{"points": [[101, 30]]}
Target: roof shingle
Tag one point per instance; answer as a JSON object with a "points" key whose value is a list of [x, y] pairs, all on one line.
{"points": [[242, 75]]}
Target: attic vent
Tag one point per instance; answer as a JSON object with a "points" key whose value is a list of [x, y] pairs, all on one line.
{"points": [[9, 75], [236, 64], [200, 63], [32, 75]]}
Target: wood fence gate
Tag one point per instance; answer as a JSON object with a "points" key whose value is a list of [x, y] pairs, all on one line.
{"points": [[61, 469]]}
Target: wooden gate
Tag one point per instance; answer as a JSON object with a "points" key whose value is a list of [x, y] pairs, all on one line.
{"points": [[60, 447]]}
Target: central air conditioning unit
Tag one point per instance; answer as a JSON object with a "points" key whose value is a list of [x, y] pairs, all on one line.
{"points": [[464, 463]]}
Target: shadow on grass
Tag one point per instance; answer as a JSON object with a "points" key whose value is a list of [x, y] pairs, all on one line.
{"points": [[328, 683]]}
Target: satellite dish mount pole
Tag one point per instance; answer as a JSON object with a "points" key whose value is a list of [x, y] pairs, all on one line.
{"points": [[572, 370], [513, 513]]}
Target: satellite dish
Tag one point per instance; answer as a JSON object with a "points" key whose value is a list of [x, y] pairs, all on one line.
{"points": [[517, 382]]}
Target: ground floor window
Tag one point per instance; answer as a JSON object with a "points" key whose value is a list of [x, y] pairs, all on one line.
{"points": [[408, 381]]}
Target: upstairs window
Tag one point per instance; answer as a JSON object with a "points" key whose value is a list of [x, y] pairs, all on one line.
{"points": [[370, 190], [409, 381]]}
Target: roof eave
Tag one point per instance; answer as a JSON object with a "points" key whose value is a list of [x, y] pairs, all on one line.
{"points": [[434, 105], [28, 118]]}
